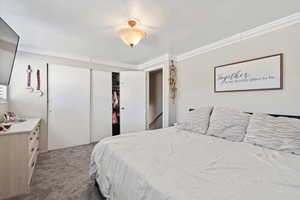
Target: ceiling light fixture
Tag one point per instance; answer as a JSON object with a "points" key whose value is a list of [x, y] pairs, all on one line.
{"points": [[132, 36]]}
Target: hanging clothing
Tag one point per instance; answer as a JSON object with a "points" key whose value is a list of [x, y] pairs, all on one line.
{"points": [[115, 99], [114, 118]]}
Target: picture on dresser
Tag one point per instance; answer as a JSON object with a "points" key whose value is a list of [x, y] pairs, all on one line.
{"points": [[265, 73]]}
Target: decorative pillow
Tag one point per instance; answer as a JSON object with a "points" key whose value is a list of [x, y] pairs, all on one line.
{"points": [[278, 133], [196, 120], [228, 124]]}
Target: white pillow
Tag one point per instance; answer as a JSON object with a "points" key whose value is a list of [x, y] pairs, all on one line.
{"points": [[196, 120], [229, 124], [278, 133]]}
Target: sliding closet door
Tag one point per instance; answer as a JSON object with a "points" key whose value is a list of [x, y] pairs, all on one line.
{"points": [[68, 107], [132, 101], [101, 105]]}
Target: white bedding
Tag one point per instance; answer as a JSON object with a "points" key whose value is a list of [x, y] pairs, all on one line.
{"points": [[168, 164]]}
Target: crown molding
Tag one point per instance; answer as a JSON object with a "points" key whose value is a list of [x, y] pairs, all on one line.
{"points": [[257, 31], [115, 64], [154, 61], [78, 58]]}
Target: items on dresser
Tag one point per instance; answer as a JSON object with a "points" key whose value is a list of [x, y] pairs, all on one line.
{"points": [[2, 118], [4, 127], [9, 116], [19, 149]]}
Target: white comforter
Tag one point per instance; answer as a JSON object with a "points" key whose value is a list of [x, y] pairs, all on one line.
{"points": [[168, 164]]}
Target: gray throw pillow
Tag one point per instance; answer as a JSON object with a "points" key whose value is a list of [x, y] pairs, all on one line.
{"points": [[229, 124], [197, 120], [278, 133]]}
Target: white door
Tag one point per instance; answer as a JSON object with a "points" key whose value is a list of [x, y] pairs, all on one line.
{"points": [[69, 107], [132, 101], [101, 105]]}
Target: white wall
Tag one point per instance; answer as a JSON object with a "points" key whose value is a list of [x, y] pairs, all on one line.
{"points": [[196, 77], [28, 104], [3, 107]]}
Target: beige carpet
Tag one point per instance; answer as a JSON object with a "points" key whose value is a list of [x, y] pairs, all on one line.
{"points": [[63, 175]]}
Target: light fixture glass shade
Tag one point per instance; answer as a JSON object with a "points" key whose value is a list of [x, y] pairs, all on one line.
{"points": [[131, 36]]}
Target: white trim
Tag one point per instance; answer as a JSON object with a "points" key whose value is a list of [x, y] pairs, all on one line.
{"points": [[156, 67], [154, 61], [116, 64], [72, 57], [91, 105], [50, 53], [257, 31]]}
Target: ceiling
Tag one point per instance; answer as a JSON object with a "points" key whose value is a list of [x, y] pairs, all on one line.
{"points": [[88, 29]]}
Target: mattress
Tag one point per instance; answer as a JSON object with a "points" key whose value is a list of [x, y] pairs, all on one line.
{"points": [[168, 164]]}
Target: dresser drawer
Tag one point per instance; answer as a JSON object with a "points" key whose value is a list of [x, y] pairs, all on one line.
{"points": [[33, 136], [31, 165], [34, 132], [18, 160], [33, 147]]}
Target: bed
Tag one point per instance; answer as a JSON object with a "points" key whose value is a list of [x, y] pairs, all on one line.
{"points": [[171, 164]]}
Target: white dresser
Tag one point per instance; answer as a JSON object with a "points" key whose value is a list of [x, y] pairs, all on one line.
{"points": [[19, 148]]}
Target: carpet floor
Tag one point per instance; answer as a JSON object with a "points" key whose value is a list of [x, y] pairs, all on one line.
{"points": [[63, 175]]}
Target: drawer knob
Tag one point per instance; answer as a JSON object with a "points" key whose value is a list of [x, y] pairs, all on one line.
{"points": [[32, 149], [30, 138]]}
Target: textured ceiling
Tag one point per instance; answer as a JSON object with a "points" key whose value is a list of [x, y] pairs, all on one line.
{"points": [[87, 29]]}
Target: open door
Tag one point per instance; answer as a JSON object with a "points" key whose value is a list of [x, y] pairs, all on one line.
{"points": [[132, 101]]}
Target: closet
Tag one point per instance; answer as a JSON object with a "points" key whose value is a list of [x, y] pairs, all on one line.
{"points": [[118, 102], [115, 103], [128, 102], [101, 101], [68, 106], [132, 101], [88, 105]]}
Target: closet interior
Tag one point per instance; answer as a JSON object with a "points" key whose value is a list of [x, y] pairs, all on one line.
{"points": [[115, 103]]}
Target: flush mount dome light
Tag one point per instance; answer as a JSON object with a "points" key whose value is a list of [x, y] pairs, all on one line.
{"points": [[131, 36]]}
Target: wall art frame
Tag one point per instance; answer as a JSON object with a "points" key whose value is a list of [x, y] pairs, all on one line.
{"points": [[263, 73]]}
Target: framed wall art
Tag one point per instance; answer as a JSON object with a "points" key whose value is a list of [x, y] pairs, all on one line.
{"points": [[265, 73]]}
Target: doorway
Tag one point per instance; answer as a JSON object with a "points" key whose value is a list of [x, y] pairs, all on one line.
{"points": [[155, 100]]}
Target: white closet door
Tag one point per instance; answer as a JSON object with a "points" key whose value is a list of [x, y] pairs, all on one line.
{"points": [[101, 105], [132, 101], [69, 107]]}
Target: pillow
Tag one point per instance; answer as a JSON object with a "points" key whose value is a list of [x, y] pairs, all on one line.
{"points": [[196, 120], [278, 133], [228, 124]]}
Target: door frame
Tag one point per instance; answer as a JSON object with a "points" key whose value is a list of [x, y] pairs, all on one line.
{"points": [[165, 97]]}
